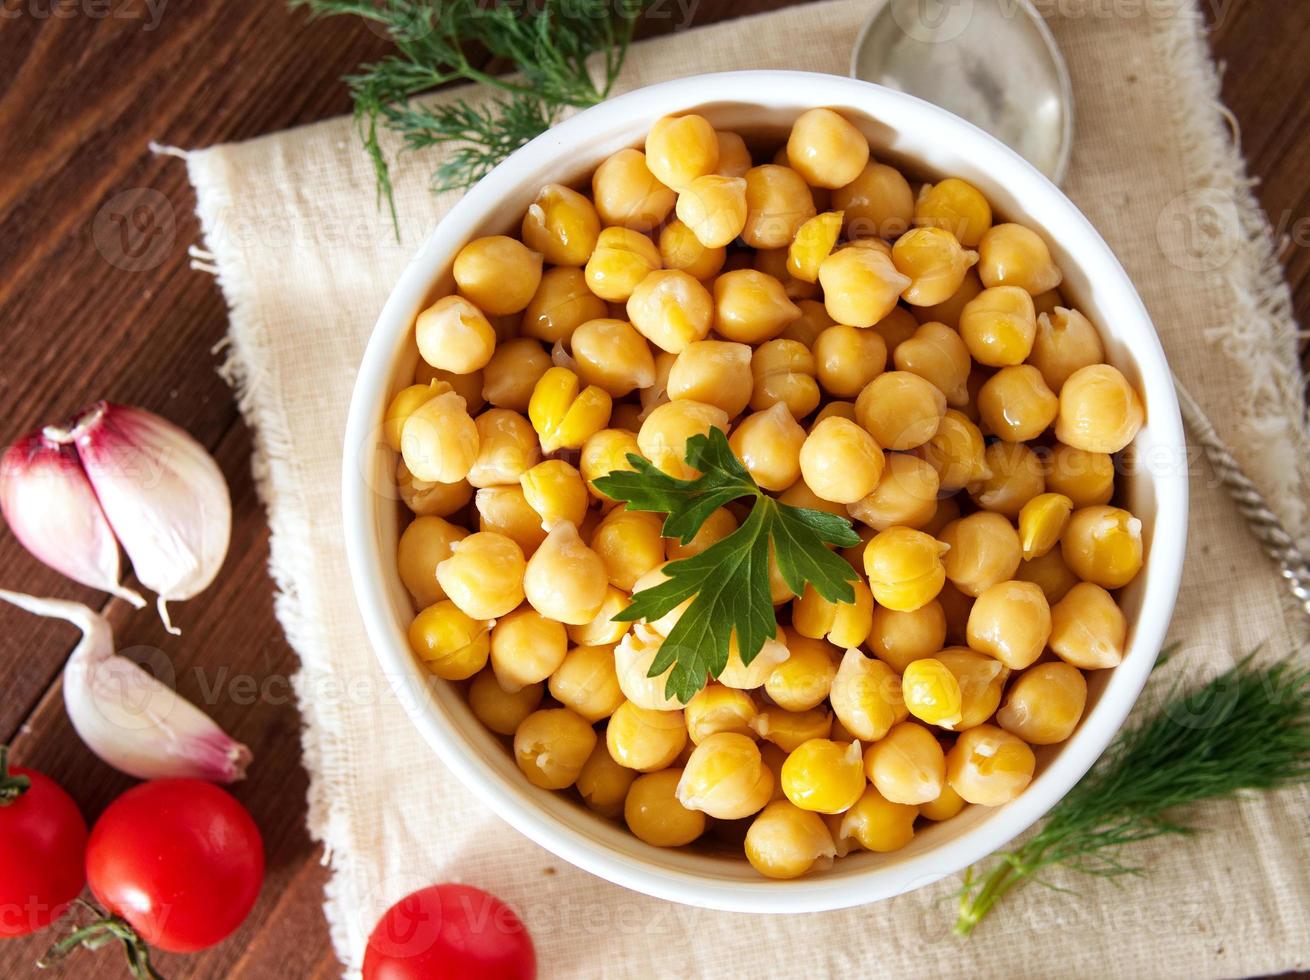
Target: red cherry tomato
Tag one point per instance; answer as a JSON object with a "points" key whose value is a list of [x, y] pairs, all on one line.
{"points": [[180, 860], [450, 932], [42, 850]]}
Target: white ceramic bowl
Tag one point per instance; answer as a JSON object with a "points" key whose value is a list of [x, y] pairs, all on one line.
{"points": [[928, 141]]}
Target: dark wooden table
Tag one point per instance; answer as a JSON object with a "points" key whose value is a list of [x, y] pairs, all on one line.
{"points": [[84, 85]]}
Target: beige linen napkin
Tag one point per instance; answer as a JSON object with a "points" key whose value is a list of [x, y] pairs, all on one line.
{"points": [[305, 261]]}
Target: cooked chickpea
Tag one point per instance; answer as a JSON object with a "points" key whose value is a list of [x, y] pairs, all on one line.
{"points": [[847, 358], [907, 765], [734, 154], [981, 679], [900, 410], [866, 696], [654, 815], [773, 262], [506, 511], [644, 739], [671, 309], [551, 746], [932, 694], [955, 205], [860, 285], [1011, 621], [1015, 404], [629, 544], [680, 249], [747, 677], [632, 662], [989, 766], [1065, 342], [484, 575], [1088, 629], [513, 371], [785, 841], [768, 443], [498, 274], [404, 404], [956, 607], [725, 777], [664, 434], [948, 509], [526, 648], [560, 305], [449, 642], [947, 805], [1045, 704], [585, 681], [813, 243], [1100, 411], [834, 409], [840, 461], [790, 729], [564, 579], [424, 545], [1016, 477], [777, 203], [627, 194], [948, 311], [999, 326], [604, 630], [813, 320], [1012, 255], [900, 638], [896, 327], [603, 784], [681, 148], [454, 335], [507, 448], [497, 708], [1085, 478], [984, 551], [956, 452], [562, 225], [936, 353], [439, 441], [715, 372], [1103, 545], [826, 149], [802, 681], [824, 776], [1050, 573], [621, 260], [1042, 521], [716, 708], [714, 208], [843, 624], [467, 386], [603, 453], [556, 491], [782, 371], [613, 356], [717, 526], [935, 263], [751, 307], [878, 203], [906, 494], [564, 413]]}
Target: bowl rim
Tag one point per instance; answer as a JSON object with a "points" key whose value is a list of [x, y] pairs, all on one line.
{"points": [[816, 892]]}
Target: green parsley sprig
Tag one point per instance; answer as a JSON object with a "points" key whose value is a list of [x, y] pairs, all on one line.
{"points": [[546, 46], [1247, 729], [728, 582]]}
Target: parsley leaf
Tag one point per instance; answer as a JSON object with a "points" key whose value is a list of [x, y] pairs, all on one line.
{"points": [[728, 583]]}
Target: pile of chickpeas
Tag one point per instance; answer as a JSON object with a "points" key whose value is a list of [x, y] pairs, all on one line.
{"points": [[874, 348]]}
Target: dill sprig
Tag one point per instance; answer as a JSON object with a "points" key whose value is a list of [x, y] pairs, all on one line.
{"points": [[546, 48], [1247, 729]]}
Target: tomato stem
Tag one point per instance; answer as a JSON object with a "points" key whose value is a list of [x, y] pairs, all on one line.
{"points": [[105, 929], [11, 787]]}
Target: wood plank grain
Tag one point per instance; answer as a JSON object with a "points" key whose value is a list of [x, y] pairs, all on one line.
{"points": [[80, 98]]}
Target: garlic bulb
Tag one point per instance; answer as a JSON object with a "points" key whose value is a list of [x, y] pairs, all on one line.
{"points": [[47, 501], [128, 718], [162, 493]]}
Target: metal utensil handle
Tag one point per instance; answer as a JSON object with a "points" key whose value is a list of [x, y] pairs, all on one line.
{"points": [[1277, 543]]}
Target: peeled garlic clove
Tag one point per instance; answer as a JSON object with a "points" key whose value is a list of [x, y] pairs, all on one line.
{"points": [[163, 494], [128, 718], [52, 510]]}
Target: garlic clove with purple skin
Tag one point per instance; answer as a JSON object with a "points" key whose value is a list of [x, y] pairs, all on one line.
{"points": [[163, 494], [128, 718], [50, 506]]}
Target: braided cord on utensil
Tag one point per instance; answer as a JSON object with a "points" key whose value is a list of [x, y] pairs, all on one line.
{"points": [[1268, 529]]}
